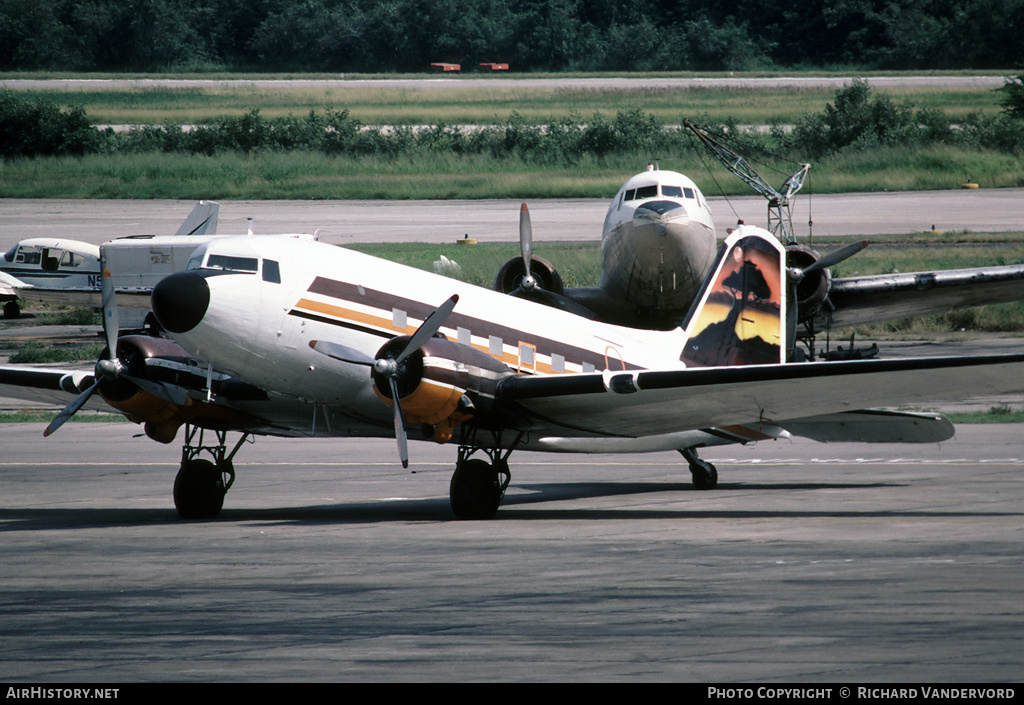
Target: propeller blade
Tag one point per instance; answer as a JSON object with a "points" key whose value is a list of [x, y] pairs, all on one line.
{"points": [[341, 352], [526, 244], [403, 442], [430, 326], [835, 257], [71, 409], [111, 322]]}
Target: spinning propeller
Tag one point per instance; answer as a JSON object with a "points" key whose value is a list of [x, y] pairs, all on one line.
{"points": [[392, 367]]}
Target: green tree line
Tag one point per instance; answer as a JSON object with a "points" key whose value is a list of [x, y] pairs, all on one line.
{"points": [[531, 35], [856, 120]]}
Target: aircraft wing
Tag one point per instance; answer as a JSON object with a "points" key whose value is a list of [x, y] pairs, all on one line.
{"points": [[47, 385], [887, 297], [9, 285], [134, 298], [636, 404]]}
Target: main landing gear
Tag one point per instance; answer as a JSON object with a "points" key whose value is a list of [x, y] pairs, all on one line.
{"points": [[478, 486], [705, 475], [200, 485]]}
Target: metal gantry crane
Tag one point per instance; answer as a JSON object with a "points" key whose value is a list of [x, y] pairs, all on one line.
{"points": [[780, 217]]}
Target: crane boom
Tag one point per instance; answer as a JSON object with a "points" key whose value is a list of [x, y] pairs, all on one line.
{"points": [[780, 218]]}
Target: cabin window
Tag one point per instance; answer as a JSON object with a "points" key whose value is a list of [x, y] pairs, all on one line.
{"points": [[233, 264], [495, 345], [399, 319], [526, 354], [464, 335], [271, 271], [557, 363], [71, 259]]}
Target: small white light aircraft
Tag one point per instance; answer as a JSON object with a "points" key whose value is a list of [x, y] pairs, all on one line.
{"points": [[275, 336]]}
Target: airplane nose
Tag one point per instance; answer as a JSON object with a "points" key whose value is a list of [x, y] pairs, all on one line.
{"points": [[180, 301], [656, 210]]}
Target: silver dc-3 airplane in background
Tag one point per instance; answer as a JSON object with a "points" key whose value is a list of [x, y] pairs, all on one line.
{"points": [[266, 335], [659, 246]]}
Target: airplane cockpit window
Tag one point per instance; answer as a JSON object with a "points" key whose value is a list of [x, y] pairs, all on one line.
{"points": [[630, 195], [647, 192], [9, 255], [672, 191], [271, 271], [689, 193], [233, 264], [28, 255]]}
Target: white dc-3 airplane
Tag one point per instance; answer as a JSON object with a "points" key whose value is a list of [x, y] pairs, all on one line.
{"points": [[291, 337]]}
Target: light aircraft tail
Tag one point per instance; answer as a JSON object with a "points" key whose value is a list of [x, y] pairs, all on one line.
{"points": [[739, 316], [202, 220]]}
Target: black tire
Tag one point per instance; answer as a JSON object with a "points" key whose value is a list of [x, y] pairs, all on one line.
{"points": [[199, 490], [705, 476], [12, 309], [475, 490]]}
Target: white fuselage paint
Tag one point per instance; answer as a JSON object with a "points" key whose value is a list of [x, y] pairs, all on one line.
{"points": [[260, 331]]}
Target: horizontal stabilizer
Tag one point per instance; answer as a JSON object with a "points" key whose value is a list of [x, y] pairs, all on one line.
{"points": [[874, 426]]}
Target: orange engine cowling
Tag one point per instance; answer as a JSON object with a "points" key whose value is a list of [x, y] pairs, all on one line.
{"points": [[442, 384], [813, 289]]}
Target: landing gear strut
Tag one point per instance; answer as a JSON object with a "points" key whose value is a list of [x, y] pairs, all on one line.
{"points": [[478, 486], [705, 475], [200, 485]]}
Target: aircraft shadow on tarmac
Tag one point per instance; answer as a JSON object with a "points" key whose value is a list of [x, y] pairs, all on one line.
{"points": [[518, 506]]}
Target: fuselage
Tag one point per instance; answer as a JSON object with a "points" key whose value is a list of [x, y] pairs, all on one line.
{"points": [[658, 245], [251, 306]]}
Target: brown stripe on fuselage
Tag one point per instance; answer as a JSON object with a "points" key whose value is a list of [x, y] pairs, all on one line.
{"points": [[352, 293]]}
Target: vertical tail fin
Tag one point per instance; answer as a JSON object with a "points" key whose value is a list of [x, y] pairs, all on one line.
{"points": [[739, 317]]}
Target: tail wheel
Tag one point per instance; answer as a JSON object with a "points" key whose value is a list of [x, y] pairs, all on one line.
{"points": [[475, 490], [199, 490]]}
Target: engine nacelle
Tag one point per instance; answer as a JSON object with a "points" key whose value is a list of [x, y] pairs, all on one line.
{"points": [[511, 274], [812, 290], [162, 418], [442, 384]]}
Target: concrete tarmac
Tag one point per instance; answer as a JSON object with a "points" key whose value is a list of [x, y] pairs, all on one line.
{"points": [[810, 563], [346, 222]]}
